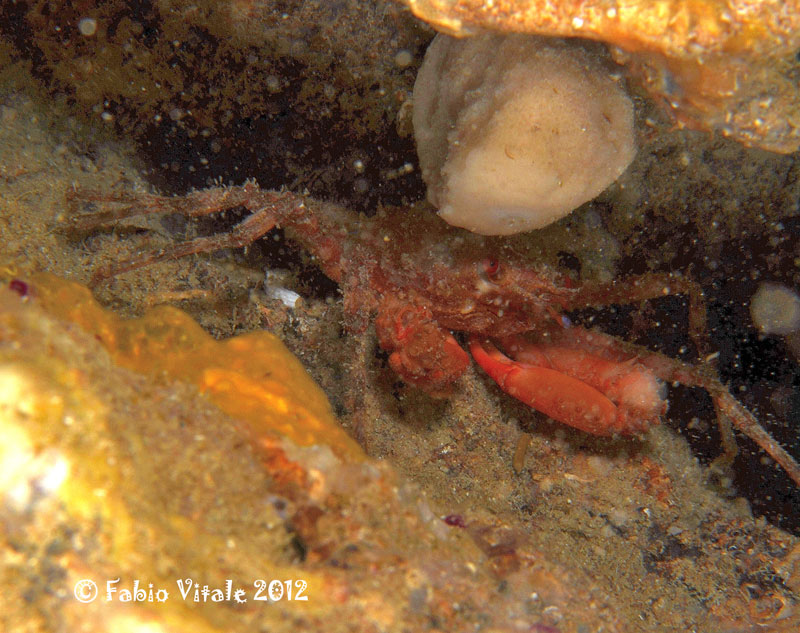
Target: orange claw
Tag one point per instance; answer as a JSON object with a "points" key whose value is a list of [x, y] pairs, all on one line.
{"points": [[421, 352], [585, 391]]}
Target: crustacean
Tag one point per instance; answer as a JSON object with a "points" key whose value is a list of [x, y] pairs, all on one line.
{"points": [[425, 280]]}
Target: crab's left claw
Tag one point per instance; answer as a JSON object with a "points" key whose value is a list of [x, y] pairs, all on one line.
{"points": [[421, 352], [585, 391]]}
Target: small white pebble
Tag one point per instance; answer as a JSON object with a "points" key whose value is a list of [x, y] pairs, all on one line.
{"points": [[775, 309], [87, 26], [403, 58], [600, 465], [273, 84]]}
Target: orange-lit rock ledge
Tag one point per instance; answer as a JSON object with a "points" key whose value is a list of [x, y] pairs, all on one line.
{"points": [[725, 65]]}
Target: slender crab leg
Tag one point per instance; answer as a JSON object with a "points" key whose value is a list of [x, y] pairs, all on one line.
{"points": [[584, 391], [268, 210], [644, 288]]}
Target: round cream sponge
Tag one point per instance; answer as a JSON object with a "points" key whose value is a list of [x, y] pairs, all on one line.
{"points": [[515, 131]]}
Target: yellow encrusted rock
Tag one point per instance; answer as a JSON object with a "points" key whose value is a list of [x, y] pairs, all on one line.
{"points": [[121, 493], [253, 377]]}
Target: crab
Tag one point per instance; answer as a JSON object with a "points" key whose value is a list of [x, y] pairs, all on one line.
{"points": [[423, 281]]}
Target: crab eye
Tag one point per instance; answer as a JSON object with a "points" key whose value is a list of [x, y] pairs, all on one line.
{"points": [[492, 268]]}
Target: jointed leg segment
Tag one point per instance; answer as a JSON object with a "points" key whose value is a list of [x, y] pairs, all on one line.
{"points": [[268, 210]]}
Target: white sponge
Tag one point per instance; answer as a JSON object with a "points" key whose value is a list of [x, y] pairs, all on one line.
{"points": [[513, 132]]}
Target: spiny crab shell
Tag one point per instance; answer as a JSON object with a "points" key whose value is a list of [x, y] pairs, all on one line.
{"points": [[725, 65]]}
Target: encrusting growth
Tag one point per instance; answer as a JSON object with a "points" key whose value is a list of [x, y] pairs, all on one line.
{"points": [[515, 131]]}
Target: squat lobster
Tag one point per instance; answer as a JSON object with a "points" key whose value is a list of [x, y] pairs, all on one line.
{"points": [[424, 279]]}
